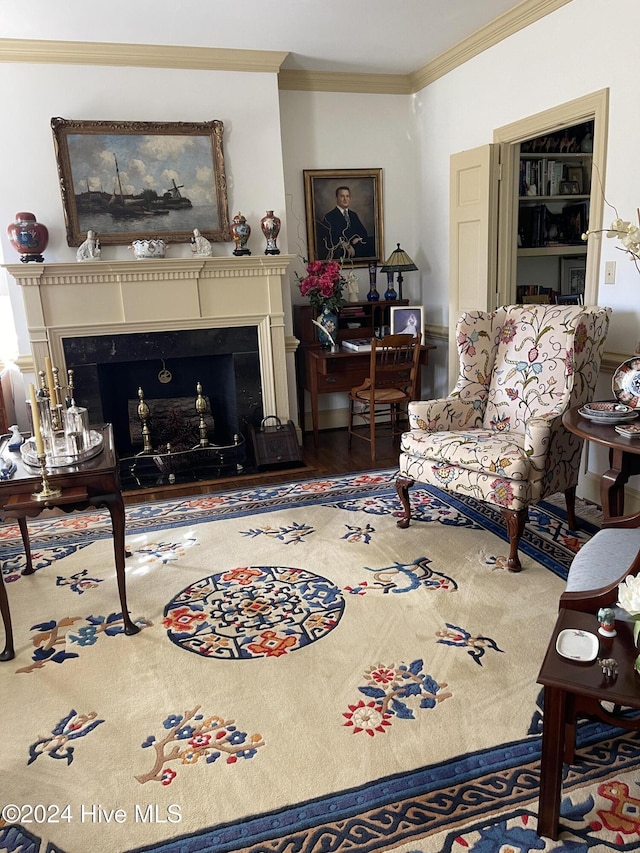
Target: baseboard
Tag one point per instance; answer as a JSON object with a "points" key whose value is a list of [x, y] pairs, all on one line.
{"points": [[328, 419], [331, 419], [589, 490]]}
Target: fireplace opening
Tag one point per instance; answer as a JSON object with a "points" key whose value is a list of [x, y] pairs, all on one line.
{"points": [[109, 370]]}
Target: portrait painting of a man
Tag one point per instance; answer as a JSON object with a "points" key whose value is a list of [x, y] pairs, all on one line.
{"points": [[344, 219]]}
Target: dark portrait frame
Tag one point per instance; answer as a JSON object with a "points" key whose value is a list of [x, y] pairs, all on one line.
{"points": [[366, 200], [89, 172]]}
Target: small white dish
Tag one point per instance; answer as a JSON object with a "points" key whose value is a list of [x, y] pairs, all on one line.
{"points": [[577, 645]]}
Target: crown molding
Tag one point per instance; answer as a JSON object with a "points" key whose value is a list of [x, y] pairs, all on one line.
{"points": [[140, 55], [223, 59], [505, 25], [332, 81]]}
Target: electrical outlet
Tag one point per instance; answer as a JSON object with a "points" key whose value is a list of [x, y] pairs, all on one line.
{"points": [[610, 272]]}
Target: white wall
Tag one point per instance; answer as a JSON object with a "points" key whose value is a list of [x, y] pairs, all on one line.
{"points": [[585, 46], [323, 130], [247, 103]]}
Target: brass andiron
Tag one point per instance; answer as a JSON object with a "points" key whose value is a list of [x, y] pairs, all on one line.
{"points": [[143, 414], [201, 408]]}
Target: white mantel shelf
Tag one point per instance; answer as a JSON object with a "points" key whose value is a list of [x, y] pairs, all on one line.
{"points": [[92, 298], [33, 273]]}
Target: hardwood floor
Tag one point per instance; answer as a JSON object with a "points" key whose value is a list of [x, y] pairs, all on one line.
{"points": [[331, 456]]}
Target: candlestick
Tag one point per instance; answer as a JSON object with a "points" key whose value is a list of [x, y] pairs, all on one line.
{"points": [[46, 491], [35, 416], [53, 396]]}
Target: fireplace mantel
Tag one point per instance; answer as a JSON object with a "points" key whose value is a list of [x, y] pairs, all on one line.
{"points": [[92, 298]]}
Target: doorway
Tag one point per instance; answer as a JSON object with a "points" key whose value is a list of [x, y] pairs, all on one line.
{"points": [[539, 232]]}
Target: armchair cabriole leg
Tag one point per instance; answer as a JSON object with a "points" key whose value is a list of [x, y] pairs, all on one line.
{"points": [[403, 484], [516, 520]]}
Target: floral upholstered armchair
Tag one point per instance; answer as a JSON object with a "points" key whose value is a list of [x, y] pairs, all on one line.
{"points": [[499, 436]]}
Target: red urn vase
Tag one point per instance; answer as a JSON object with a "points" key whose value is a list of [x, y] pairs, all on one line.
{"points": [[28, 237], [270, 225]]}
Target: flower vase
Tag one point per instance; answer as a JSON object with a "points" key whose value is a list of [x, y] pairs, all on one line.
{"points": [[373, 295], [328, 321], [270, 226]]}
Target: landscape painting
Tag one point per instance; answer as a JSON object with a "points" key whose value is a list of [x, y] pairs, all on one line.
{"points": [[138, 180]]}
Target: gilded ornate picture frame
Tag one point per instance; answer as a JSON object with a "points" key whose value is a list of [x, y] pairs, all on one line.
{"points": [[331, 235], [139, 180]]}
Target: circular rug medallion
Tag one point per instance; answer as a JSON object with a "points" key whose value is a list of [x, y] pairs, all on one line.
{"points": [[253, 612]]}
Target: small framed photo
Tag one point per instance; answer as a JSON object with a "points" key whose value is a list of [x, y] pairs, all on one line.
{"points": [[573, 276], [576, 175], [569, 188], [344, 215], [407, 320]]}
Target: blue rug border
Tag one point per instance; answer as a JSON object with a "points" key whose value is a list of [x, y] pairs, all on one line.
{"points": [[346, 804]]}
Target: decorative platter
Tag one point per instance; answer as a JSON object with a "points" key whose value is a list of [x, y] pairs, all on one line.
{"points": [[608, 407], [620, 415], [577, 645], [626, 382]]}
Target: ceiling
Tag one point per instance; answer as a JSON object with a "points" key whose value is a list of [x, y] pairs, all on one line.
{"points": [[347, 36]]}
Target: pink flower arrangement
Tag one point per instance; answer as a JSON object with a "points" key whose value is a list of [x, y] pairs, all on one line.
{"points": [[323, 285]]}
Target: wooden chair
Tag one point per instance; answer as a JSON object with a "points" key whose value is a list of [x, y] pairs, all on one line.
{"points": [[390, 386]]}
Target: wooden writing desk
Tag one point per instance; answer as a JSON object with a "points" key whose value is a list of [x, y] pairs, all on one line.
{"points": [[328, 372], [95, 482]]}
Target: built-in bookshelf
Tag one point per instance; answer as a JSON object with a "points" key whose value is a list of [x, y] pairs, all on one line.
{"points": [[553, 207]]}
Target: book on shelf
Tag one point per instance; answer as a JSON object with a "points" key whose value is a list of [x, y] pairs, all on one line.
{"points": [[358, 344], [531, 294]]}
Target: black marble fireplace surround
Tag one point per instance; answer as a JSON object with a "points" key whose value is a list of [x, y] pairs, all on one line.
{"points": [[109, 369]]}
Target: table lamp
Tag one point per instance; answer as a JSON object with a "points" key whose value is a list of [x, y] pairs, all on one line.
{"points": [[399, 262]]}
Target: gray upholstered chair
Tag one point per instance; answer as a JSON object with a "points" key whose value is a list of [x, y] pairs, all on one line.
{"points": [[601, 564], [498, 437]]}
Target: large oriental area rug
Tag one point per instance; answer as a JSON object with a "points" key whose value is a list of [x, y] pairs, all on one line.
{"points": [[308, 677]]}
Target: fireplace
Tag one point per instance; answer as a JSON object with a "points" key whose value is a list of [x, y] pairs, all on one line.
{"points": [[121, 325], [109, 370]]}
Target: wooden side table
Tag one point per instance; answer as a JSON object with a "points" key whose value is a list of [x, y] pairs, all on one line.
{"points": [[624, 459], [96, 483], [574, 689]]}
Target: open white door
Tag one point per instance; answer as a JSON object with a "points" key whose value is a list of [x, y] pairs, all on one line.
{"points": [[473, 218]]}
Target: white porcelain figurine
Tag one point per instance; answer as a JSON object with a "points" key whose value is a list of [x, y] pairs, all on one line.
{"points": [[90, 249], [200, 245]]}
